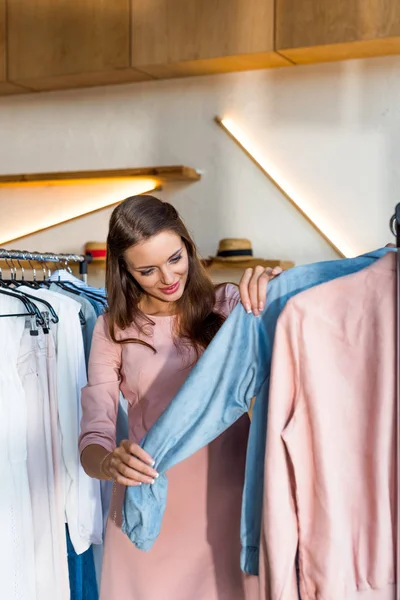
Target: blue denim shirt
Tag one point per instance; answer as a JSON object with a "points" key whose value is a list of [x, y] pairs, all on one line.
{"points": [[234, 369]]}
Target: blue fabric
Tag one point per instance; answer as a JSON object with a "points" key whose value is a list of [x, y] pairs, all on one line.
{"points": [[97, 306], [82, 574], [234, 369], [65, 276], [81, 567], [88, 312]]}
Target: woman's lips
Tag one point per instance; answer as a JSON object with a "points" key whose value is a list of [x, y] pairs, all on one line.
{"points": [[170, 289]]}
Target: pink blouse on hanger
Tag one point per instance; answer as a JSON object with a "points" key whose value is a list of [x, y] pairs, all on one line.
{"points": [[330, 470]]}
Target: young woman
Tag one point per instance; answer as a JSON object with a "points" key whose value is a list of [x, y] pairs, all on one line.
{"points": [[163, 312]]}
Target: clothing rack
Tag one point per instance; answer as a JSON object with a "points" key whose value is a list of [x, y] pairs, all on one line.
{"points": [[49, 257]]}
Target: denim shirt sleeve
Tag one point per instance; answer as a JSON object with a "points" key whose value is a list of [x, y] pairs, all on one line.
{"points": [[217, 392]]}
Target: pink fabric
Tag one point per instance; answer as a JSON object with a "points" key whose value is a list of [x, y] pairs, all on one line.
{"points": [[197, 554], [330, 481]]}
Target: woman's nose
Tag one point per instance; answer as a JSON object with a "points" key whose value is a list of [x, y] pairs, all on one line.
{"points": [[167, 277]]}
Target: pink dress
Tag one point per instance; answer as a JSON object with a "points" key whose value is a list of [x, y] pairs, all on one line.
{"points": [[196, 556]]}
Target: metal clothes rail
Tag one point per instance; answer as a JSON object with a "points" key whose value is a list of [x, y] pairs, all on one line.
{"points": [[49, 257]]}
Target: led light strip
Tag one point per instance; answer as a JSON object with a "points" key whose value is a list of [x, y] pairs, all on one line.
{"points": [[316, 220]]}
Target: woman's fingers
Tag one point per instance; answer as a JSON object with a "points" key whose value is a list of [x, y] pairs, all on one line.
{"points": [[138, 465], [253, 287], [244, 289], [136, 450], [126, 475], [262, 290], [130, 465], [133, 475]]}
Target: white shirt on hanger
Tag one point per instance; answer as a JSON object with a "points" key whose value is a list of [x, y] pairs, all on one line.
{"points": [[17, 560], [82, 493]]}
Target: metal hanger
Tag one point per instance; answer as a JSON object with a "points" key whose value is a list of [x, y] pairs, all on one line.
{"points": [[63, 287]]}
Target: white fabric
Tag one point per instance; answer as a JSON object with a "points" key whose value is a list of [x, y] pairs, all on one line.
{"points": [[82, 493], [32, 370], [17, 560], [61, 552]]}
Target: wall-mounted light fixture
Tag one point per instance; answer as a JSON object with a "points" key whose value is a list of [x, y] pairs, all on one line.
{"points": [[324, 228]]}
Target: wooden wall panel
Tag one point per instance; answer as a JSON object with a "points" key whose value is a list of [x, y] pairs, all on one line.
{"points": [[68, 43], [315, 30], [180, 37]]}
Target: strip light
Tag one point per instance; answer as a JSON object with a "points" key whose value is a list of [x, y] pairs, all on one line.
{"points": [[57, 214], [324, 228]]}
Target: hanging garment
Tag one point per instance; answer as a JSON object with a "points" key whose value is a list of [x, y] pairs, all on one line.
{"points": [[88, 312], [64, 275], [234, 369], [51, 363], [198, 551], [48, 547], [82, 493], [17, 557], [82, 573], [81, 567], [330, 463]]}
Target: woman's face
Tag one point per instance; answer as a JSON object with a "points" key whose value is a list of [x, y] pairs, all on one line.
{"points": [[160, 265]]}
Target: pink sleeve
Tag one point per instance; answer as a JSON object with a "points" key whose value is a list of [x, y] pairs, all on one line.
{"points": [[227, 296], [100, 398], [279, 535]]}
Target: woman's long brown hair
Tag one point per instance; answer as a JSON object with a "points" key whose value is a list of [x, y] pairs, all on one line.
{"points": [[136, 219]]}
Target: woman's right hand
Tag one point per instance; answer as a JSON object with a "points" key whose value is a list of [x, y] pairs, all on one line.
{"points": [[129, 465]]}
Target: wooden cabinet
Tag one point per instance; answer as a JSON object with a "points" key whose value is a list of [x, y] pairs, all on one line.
{"points": [[67, 43], [56, 44], [5, 86], [317, 30], [173, 38]]}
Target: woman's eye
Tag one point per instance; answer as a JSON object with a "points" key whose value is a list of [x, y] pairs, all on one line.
{"points": [[145, 273], [176, 259]]}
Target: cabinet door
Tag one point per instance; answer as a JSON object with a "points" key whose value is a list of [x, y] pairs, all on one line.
{"points": [[191, 37], [67, 43], [315, 30], [5, 86]]}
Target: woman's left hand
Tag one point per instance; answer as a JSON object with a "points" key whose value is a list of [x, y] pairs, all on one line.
{"points": [[253, 287]]}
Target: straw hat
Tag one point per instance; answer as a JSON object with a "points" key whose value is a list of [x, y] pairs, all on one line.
{"points": [[238, 253], [234, 250], [98, 250]]}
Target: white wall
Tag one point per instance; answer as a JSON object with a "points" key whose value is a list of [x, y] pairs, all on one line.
{"points": [[332, 129]]}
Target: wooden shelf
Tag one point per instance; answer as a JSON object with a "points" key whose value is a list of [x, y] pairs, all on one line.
{"points": [[215, 265], [163, 174]]}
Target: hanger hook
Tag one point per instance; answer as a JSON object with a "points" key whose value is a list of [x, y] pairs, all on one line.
{"points": [[10, 268], [46, 266], [22, 269], [43, 265], [28, 257], [68, 268], [33, 266], [13, 266]]}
